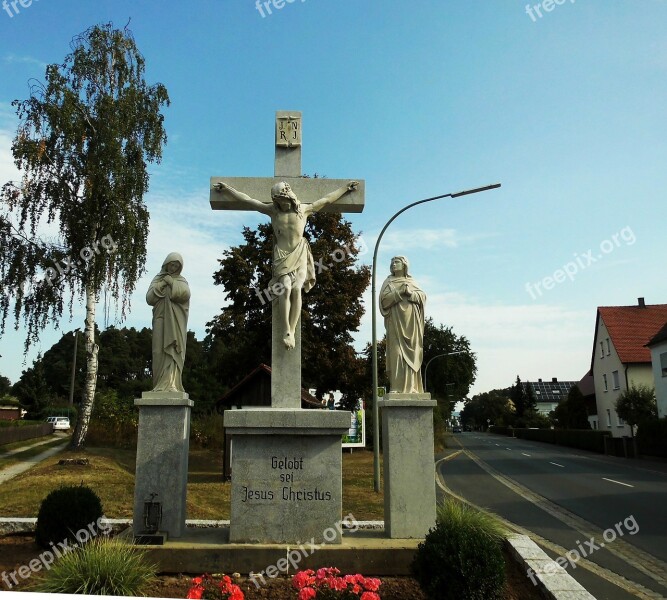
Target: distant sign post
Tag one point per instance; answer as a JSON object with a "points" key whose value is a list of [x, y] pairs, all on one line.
{"points": [[356, 436]]}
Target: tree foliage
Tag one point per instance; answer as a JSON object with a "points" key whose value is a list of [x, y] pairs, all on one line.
{"points": [[124, 371], [240, 336], [83, 143], [637, 405], [33, 391], [572, 413], [493, 407], [449, 375]]}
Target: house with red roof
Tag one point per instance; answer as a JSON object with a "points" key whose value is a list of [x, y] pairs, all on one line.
{"points": [[658, 347], [621, 357]]}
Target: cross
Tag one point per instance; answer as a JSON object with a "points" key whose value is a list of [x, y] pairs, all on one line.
{"points": [[275, 196]]}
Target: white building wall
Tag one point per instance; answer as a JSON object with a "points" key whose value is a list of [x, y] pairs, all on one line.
{"points": [[660, 377], [605, 363]]}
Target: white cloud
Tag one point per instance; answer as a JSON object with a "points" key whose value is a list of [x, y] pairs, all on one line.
{"points": [[423, 239], [529, 340], [14, 59]]}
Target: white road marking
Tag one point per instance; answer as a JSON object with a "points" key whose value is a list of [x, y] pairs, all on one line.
{"points": [[619, 482], [507, 448], [497, 444], [525, 454], [553, 463]]}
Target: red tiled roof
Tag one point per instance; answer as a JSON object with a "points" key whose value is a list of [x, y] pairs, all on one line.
{"points": [[661, 336], [631, 327]]}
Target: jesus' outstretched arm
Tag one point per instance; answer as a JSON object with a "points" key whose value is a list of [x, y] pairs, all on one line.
{"points": [[331, 197], [257, 205]]}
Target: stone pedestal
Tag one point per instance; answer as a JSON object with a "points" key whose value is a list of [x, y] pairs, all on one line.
{"points": [[286, 475], [409, 464], [162, 458]]}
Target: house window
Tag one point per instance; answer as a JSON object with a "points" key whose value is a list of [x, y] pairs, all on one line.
{"points": [[621, 422], [606, 385], [617, 383], [608, 347], [601, 349], [608, 418], [663, 363]]}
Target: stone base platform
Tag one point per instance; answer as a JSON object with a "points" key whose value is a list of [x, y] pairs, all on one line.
{"points": [[286, 475], [209, 551]]}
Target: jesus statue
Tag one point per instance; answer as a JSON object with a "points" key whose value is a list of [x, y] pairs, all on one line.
{"points": [[293, 266]]}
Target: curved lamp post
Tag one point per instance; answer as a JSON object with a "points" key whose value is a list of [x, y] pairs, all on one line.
{"points": [[376, 412], [431, 360]]}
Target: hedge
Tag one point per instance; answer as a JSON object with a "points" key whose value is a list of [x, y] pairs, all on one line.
{"points": [[652, 438], [583, 439]]}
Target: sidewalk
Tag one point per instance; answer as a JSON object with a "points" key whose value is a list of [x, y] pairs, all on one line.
{"points": [[14, 470], [8, 453]]}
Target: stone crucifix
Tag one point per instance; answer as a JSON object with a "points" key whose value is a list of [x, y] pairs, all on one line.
{"points": [[288, 199]]}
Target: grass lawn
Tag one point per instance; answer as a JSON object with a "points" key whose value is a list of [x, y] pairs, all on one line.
{"points": [[111, 475]]}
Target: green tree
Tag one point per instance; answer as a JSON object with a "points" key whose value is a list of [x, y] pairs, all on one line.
{"points": [[449, 375], [5, 385], [240, 336], [33, 391], [493, 407], [637, 405], [83, 144], [572, 413]]}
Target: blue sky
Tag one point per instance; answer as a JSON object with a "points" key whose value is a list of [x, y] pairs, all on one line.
{"points": [[566, 110]]}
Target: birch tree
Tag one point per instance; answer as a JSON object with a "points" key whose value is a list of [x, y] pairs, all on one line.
{"points": [[84, 140]]}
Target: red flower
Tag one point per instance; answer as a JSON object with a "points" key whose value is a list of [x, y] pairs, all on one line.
{"points": [[370, 596], [307, 593], [303, 578]]}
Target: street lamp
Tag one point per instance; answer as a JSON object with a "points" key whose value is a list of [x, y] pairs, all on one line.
{"points": [[438, 356], [376, 412], [71, 385]]}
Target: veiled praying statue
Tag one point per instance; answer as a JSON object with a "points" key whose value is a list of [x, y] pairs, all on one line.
{"points": [[402, 306], [169, 295]]}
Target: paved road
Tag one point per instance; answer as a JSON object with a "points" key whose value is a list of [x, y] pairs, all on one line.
{"points": [[596, 494]]}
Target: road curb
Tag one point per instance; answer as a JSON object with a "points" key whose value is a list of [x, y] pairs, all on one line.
{"points": [[553, 580]]}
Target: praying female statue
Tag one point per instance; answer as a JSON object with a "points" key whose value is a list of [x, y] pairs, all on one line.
{"points": [[402, 306], [169, 295]]}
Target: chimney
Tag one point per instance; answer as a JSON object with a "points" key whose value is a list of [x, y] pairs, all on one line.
{"points": [[641, 302], [554, 380], [539, 380]]}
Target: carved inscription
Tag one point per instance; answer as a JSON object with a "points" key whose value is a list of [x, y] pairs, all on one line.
{"points": [[288, 131], [289, 484]]}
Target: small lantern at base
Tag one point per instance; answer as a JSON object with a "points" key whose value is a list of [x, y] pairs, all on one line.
{"points": [[152, 521]]}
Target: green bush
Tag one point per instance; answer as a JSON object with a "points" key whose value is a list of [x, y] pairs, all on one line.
{"points": [[652, 438], [65, 512], [103, 567], [462, 557]]}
